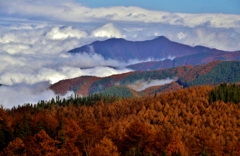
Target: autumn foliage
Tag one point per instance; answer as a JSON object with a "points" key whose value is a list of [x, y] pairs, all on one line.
{"points": [[175, 123]]}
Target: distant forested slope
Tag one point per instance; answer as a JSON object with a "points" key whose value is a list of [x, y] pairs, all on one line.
{"points": [[212, 73]]}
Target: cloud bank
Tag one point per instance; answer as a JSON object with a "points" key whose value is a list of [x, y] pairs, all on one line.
{"points": [[20, 94], [72, 20], [140, 85], [72, 11], [108, 30]]}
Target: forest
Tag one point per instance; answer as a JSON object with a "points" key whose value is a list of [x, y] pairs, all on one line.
{"points": [[195, 121]]}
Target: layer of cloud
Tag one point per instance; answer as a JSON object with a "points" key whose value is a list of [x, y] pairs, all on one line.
{"points": [[20, 94], [60, 34], [71, 11], [140, 85], [219, 38], [108, 31], [32, 69], [220, 31]]}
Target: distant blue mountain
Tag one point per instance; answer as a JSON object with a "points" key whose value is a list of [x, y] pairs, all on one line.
{"points": [[158, 48], [195, 59]]}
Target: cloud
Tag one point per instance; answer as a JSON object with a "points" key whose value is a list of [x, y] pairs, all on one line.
{"points": [[72, 11], [219, 31], [108, 30], [181, 35], [32, 69], [140, 85], [220, 38], [39, 40], [223, 39], [57, 33], [20, 94]]}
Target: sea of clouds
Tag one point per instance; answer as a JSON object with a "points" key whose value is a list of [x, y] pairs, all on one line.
{"points": [[36, 35]]}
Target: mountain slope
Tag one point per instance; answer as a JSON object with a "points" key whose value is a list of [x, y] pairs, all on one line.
{"points": [[226, 71], [120, 91], [212, 73], [195, 59], [83, 84], [97, 85], [157, 48]]}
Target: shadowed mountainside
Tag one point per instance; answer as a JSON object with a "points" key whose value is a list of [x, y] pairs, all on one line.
{"points": [[195, 59], [158, 48]]}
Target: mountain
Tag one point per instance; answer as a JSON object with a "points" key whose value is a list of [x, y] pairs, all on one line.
{"points": [[87, 85], [212, 73], [158, 48], [79, 85], [195, 59], [82, 85]]}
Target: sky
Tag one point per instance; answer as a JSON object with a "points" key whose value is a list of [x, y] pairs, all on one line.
{"points": [[35, 36], [184, 6]]}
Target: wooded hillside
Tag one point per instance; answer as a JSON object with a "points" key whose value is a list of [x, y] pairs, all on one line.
{"points": [[176, 123]]}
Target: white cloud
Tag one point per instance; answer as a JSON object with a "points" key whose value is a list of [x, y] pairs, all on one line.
{"points": [[223, 39], [140, 85], [220, 38], [108, 31], [32, 69], [181, 35], [105, 71], [63, 33], [23, 93], [71, 11]]}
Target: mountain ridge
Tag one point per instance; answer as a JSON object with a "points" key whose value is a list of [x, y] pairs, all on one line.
{"points": [[195, 59], [158, 48]]}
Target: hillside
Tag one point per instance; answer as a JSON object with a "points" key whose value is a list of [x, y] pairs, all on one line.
{"points": [[120, 91], [158, 48], [182, 122], [79, 85], [212, 73], [98, 85], [216, 73], [195, 59]]}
